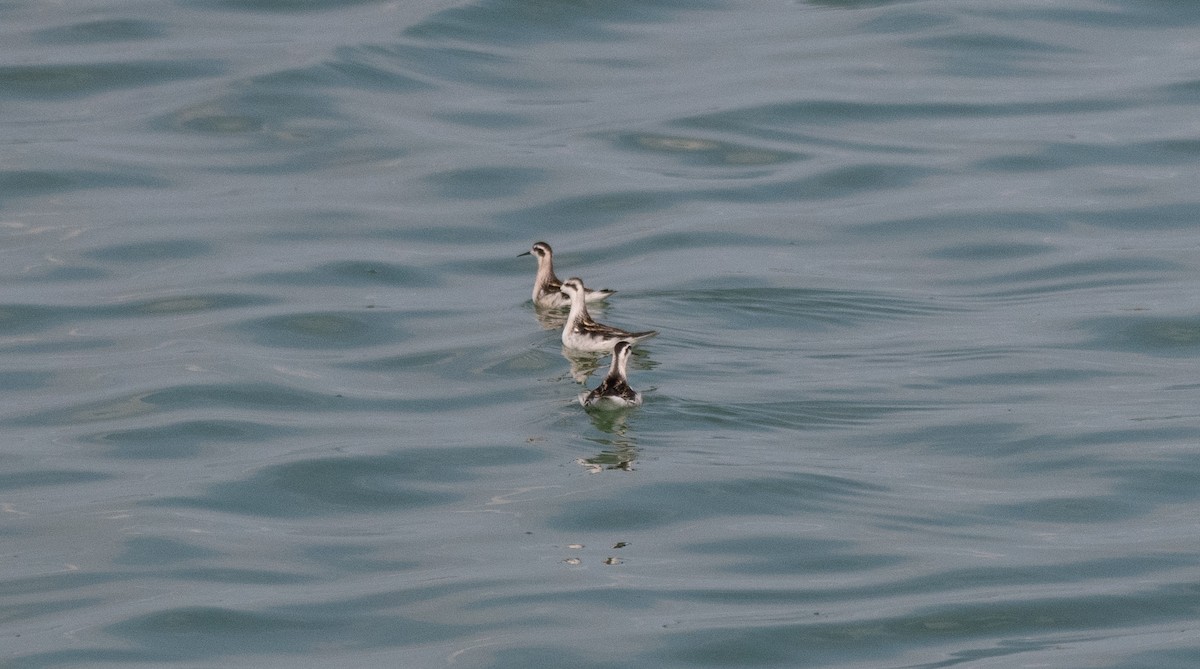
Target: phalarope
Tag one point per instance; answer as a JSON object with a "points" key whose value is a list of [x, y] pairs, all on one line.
{"points": [[614, 392], [547, 287], [584, 334]]}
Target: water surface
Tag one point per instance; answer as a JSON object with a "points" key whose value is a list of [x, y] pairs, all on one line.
{"points": [[274, 391]]}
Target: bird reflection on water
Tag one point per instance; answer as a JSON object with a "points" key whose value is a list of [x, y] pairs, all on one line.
{"points": [[583, 364], [554, 318], [619, 449]]}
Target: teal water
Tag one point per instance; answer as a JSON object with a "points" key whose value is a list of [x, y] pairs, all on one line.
{"points": [[274, 394]]}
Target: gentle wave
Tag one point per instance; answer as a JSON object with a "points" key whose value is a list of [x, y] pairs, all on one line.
{"points": [[80, 80]]}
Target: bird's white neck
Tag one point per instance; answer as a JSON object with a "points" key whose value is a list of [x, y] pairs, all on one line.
{"points": [[620, 365], [545, 271], [579, 310]]}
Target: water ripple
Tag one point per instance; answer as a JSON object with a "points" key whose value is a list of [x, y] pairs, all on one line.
{"points": [[322, 330], [1163, 336], [282, 6], [515, 22], [479, 183], [150, 251], [41, 82], [408, 480], [1072, 275], [35, 183], [776, 117], [700, 151], [992, 55], [101, 31], [668, 504], [353, 273], [26, 479], [795, 414], [183, 438], [801, 308], [814, 638]]}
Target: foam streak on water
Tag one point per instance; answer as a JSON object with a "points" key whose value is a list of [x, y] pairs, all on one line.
{"points": [[924, 396]]}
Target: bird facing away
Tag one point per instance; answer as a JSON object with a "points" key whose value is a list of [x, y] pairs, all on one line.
{"points": [[614, 392], [547, 289], [584, 334]]}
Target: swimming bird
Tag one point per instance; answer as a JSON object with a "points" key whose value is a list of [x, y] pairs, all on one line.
{"points": [[584, 334], [547, 287], [614, 392]]}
